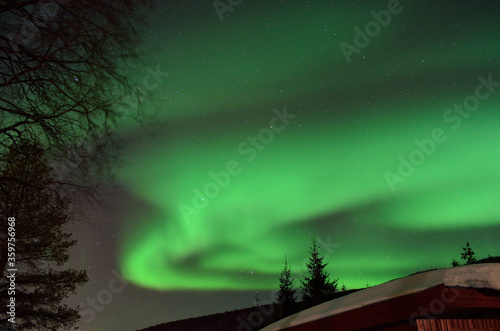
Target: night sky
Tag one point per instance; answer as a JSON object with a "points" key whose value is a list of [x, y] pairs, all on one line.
{"points": [[284, 122]]}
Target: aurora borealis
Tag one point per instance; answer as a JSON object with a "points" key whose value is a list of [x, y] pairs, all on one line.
{"points": [[233, 184]]}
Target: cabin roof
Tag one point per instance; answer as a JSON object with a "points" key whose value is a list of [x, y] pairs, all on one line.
{"points": [[475, 276]]}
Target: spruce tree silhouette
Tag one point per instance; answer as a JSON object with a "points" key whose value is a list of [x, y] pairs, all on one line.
{"points": [[317, 287], [468, 255], [287, 300]]}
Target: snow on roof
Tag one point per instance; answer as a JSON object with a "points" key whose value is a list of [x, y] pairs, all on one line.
{"points": [[485, 275]]}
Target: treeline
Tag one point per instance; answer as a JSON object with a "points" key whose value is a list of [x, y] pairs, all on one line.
{"points": [[317, 287]]}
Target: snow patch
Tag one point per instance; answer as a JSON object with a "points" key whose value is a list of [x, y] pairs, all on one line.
{"points": [[476, 276]]}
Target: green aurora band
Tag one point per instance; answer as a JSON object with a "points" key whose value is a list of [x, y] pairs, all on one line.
{"points": [[324, 175]]}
